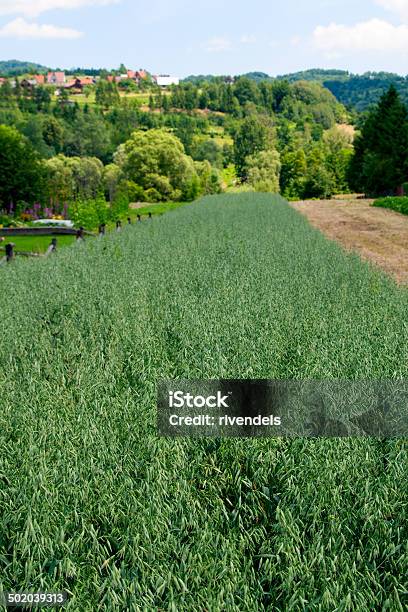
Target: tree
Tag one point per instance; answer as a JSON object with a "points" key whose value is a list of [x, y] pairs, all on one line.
{"points": [[60, 182], [209, 150], [320, 182], [339, 150], [21, 172], [262, 170], [246, 90], [88, 137], [293, 173], [33, 129], [106, 94], [6, 92], [156, 161], [42, 99], [112, 177], [380, 162], [254, 134], [209, 178], [71, 178], [53, 133]]}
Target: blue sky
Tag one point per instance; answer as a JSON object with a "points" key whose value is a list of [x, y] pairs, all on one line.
{"points": [[182, 37]]}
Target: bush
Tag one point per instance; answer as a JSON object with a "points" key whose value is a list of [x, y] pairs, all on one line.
{"points": [[400, 204], [120, 205], [89, 213], [135, 192], [5, 220]]}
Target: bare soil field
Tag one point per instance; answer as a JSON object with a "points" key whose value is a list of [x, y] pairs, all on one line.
{"points": [[377, 234]]}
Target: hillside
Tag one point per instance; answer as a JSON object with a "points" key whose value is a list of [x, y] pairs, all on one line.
{"points": [[357, 92], [361, 92], [315, 74], [16, 68]]}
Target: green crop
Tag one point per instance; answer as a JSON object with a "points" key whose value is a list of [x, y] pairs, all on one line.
{"points": [[94, 502], [400, 204]]}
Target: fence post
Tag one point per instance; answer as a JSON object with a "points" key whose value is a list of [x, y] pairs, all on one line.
{"points": [[52, 248], [9, 251]]}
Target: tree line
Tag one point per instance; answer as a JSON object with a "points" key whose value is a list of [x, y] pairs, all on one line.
{"points": [[272, 136]]}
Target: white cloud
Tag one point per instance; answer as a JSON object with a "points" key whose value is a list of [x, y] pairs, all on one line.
{"points": [[295, 41], [400, 7], [373, 35], [20, 28], [32, 8], [248, 39], [217, 45]]}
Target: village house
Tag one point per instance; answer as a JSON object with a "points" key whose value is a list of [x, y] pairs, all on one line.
{"points": [[56, 78], [165, 80], [141, 74], [28, 84], [77, 84], [132, 75]]}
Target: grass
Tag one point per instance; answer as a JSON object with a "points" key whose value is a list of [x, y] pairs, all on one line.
{"points": [[38, 244], [155, 209], [399, 204], [234, 286]]}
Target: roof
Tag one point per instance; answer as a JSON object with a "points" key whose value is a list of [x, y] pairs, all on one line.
{"points": [[87, 80]]}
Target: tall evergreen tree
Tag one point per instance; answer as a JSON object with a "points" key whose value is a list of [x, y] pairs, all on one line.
{"points": [[380, 162]]}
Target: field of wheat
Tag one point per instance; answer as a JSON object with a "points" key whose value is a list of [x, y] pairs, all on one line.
{"points": [[95, 503]]}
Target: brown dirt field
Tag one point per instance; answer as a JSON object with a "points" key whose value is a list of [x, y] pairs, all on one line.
{"points": [[377, 234], [137, 205]]}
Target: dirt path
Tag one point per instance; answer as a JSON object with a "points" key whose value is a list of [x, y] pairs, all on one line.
{"points": [[377, 234]]}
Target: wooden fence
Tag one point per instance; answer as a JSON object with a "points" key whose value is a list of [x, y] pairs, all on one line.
{"points": [[80, 233], [41, 231]]}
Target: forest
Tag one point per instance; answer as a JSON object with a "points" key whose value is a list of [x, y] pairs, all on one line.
{"points": [[89, 155], [358, 92]]}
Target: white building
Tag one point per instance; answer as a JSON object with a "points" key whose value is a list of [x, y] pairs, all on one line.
{"points": [[165, 80]]}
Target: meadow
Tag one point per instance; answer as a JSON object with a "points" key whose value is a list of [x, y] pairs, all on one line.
{"points": [[95, 503], [38, 244]]}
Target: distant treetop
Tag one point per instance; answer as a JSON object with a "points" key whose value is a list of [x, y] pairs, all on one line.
{"points": [[17, 68]]}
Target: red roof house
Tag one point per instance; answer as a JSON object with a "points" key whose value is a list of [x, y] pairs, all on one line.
{"points": [[56, 78]]}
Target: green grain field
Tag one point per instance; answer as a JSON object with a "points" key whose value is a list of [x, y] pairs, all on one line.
{"points": [[94, 502]]}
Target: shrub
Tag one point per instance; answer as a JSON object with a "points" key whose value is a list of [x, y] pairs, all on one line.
{"points": [[399, 204], [89, 213]]}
